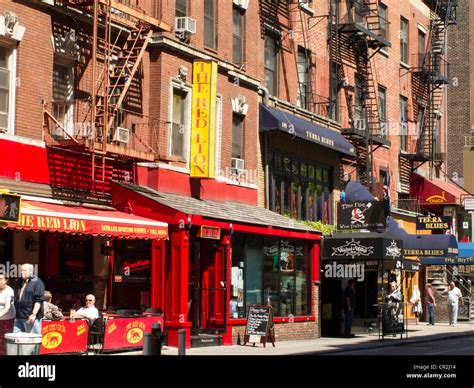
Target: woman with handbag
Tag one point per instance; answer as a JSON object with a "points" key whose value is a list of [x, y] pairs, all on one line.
{"points": [[415, 300]]}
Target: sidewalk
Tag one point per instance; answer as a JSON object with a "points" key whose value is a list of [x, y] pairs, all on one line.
{"points": [[416, 333]]}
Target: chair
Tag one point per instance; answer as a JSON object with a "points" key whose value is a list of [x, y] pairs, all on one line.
{"points": [[128, 312], [96, 335]]}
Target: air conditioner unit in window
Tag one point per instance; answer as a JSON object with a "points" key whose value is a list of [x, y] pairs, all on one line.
{"points": [[237, 166], [121, 135], [244, 4], [185, 24]]}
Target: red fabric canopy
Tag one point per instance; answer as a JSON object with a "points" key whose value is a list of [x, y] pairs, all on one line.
{"points": [[435, 192], [52, 217]]}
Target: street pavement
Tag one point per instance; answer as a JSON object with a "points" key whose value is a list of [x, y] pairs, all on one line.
{"points": [[363, 343]]}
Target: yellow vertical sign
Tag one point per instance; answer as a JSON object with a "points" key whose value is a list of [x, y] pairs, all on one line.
{"points": [[203, 127]]}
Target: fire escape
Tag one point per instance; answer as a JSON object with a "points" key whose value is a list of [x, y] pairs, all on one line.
{"points": [[357, 33], [110, 123], [429, 78]]}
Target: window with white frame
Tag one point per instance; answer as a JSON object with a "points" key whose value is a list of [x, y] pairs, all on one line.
{"points": [[63, 96], [7, 89], [180, 113]]}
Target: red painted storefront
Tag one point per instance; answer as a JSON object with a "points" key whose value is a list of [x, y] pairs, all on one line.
{"points": [[215, 268]]}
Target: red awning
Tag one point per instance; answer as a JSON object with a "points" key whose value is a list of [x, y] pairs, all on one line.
{"points": [[435, 192], [52, 217]]}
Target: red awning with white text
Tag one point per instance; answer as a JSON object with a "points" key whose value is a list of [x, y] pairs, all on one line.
{"points": [[52, 217]]}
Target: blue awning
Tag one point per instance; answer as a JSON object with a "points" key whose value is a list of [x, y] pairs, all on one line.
{"points": [[447, 260], [274, 119], [442, 245], [466, 249]]}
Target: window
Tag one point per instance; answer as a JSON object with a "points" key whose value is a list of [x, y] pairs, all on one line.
{"points": [[210, 23], [238, 35], [181, 8], [436, 133], [404, 40], [273, 271], [403, 123], [382, 8], [7, 89], [421, 48], [237, 136], [271, 64], [304, 78], [63, 96], [179, 123], [334, 92], [300, 189], [383, 111]]}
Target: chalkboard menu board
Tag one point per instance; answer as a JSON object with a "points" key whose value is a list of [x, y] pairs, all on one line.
{"points": [[260, 325]]}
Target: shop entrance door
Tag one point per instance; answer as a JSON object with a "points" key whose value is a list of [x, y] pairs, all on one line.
{"points": [[211, 288]]}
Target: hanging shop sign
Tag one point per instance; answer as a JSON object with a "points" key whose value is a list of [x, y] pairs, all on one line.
{"points": [[203, 119], [211, 232], [361, 215], [10, 205], [358, 247], [433, 223]]}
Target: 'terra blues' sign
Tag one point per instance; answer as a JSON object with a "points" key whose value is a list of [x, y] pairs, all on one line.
{"points": [[433, 223], [361, 215]]}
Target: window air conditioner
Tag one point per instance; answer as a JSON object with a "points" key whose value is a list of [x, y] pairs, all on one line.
{"points": [[121, 135], [185, 24], [244, 4], [237, 166]]}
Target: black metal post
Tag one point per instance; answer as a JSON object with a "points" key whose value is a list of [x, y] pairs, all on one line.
{"points": [[181, 342]]}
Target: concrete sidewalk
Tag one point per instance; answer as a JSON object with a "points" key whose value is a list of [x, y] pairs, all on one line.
{"points": [[416, 333]]}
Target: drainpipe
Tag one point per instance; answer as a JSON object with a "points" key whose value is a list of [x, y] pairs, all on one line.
{"points": [[263, 90]]}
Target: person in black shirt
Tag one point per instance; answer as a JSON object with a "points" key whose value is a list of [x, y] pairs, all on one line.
{"points": [[349, 306], [29, 302]]}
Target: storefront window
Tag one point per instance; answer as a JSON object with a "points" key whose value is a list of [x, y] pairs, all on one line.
{"points": [[275, 272], [133, 261], [300, 189]]}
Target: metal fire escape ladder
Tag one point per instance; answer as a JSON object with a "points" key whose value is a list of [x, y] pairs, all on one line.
{"points": [[363, 37], [433, 73]]}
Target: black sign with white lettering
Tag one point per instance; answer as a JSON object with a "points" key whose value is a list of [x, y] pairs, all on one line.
{"points": [[361, 215], [258, 320], [433, 223], [360, 248]]}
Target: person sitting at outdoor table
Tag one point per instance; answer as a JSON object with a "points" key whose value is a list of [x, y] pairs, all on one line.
{"points": [[89, 311], [51, 311]]}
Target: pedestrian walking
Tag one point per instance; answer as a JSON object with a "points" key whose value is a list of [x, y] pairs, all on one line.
{"points": [[430, 304], [415, 300], [29, 302], [7, 311], [454, 296]]}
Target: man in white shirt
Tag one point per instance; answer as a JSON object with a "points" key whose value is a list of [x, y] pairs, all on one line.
{"points": [[89, 312], [454, 295]]}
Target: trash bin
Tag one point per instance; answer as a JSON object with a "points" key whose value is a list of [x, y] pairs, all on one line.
{"points": [[23, 344]]}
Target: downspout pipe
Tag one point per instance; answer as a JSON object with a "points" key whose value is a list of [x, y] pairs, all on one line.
{"points": [[266, 94], [263, 90]]}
